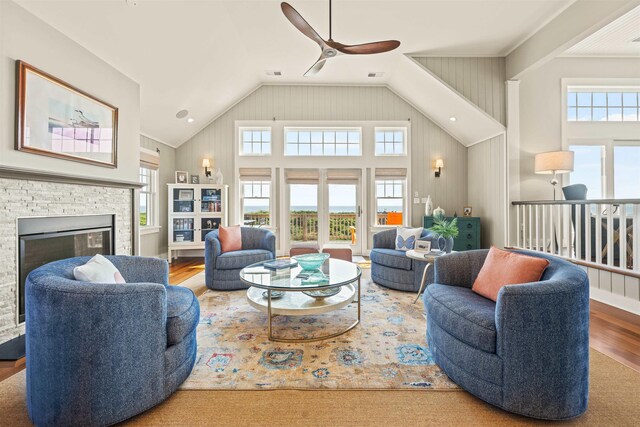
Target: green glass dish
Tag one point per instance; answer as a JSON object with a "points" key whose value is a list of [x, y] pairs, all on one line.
{"points": [[311, 261]]}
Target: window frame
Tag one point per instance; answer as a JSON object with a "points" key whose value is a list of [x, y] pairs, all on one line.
{"points": [[270, 199], [390, 129], [597, 89], [323, 144], [241, 142], [153, 200], [403, 198]]}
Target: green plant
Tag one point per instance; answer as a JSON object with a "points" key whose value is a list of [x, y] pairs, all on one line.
{"points": [[445, 228]]}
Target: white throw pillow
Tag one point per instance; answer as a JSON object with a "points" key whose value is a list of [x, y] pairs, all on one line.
{"points": [[406, 238], [98, 270]]}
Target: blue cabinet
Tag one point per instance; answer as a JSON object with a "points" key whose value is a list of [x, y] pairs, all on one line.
{"points": [[469, 232]]}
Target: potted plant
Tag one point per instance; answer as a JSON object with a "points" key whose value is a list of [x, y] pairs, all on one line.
{"points": [[446, 232]]}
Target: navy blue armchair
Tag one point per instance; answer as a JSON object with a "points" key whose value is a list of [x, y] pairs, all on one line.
{"points": [[394, 269], [98, 354], [222, 269], [528, 352]]}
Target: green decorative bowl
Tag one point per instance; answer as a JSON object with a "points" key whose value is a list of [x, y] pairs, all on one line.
{"points": [[311, 261]]}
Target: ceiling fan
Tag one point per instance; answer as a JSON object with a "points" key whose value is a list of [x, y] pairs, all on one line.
{"points": [[330, 48]]}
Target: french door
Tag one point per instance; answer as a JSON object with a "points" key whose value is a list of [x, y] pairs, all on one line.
{"points": [[326, 209]]}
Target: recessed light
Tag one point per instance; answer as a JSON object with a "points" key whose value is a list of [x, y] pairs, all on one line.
{"points": [[182, 114], [376, 74], [191, 120], [274, 73], [453, 119], [636, 40], [132, 3]]}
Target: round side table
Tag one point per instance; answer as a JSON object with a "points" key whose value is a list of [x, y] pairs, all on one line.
{"points": [[429, 257]]}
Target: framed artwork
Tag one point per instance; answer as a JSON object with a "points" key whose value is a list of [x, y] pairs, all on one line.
{"points": [[423, 245], [56, 119], [182, 177], [467, 211], [195, 179], [185, 195]]}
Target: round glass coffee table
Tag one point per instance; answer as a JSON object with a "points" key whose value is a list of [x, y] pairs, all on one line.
{"points": [[298, 292]]}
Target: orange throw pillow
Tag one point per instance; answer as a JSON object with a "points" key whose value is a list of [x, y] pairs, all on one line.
{"points": [[230, 238], [507, 268]]}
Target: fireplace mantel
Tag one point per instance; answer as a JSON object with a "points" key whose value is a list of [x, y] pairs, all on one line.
{"points": [[36, 175]]}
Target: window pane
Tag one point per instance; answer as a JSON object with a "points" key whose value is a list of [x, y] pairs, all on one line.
{"points": [[398, 136], [584, 99], [292, 149], [379, 148], [354, 137], [329, 137], [584, 114], [354, 149], [304, 137], [316, 149], [380, 189], [341, 150], [614, 99], [246, 135], [266, 136], [600, 114], [571, 99], [572, 114], [266, 148], [246, 147], [615, 114], [256, 141], [379, 136], [330, 150], [398, 148], [626, 172], [341, 137], [599, 99], [248, 190], [256, 147], [588, 168], [316, 137], [304, 149], [292, 136], [630, 114], [630, 99]]}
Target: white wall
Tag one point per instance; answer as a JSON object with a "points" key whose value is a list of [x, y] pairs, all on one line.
{"points": [[541, 110], [25, 37], [339, 103], [155, 243]]}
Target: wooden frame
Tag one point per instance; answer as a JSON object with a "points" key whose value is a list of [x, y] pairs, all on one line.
{"points": [[22, 69]]}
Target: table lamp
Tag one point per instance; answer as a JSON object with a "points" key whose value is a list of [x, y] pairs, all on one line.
{"points": [[554, 162]]}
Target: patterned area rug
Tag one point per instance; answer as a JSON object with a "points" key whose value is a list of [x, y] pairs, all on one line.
{"points": [[387, 350]]}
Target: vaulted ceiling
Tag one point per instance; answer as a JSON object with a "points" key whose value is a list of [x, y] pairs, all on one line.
{"points": [[204, 56]]}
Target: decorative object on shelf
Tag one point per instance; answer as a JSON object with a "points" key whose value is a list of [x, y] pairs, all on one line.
{"points": [[446, 231], [182, 177], [554, 162], [279, 264], [195, 179], [52, 115], [217, 177], [206, 164], [184, 195], [467, 211], [438, 212], [423, 245], [438, 167], [428, 207]]}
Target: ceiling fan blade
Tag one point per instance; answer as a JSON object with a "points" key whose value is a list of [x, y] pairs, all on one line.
{"points": [[299, 22], [316, 67], [366, 48]]}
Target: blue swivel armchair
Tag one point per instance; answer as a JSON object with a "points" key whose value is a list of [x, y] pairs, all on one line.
{"points": [[394, 269], [222, 269], [527, 353], [98, 354]]}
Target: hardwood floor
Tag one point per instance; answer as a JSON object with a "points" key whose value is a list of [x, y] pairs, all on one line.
{"points": [[182, 269], [613, 332]]}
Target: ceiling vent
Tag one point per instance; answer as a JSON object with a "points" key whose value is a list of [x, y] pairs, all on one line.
{"points": [[378, 74], [274, 73]]}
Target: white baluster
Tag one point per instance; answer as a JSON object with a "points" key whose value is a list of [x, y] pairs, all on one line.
{"points": [[587, 233], [598, 248], [577, 232], [622, 233], [530, 213], [610, 245], [544, 228], [519, 225], [552, 230], [537, 227]]}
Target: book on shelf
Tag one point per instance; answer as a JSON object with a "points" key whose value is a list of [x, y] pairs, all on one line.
{"points": [[279, 264]]}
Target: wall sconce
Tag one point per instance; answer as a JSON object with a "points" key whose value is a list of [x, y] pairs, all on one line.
{"points": [[439, 166], [206, 164]]}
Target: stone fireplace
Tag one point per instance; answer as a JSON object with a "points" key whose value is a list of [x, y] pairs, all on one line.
{"points": [[26, 201]]}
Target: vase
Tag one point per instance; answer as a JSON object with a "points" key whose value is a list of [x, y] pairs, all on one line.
{"points": [[217, 177], [438, 212], [428, 207], [445, 244]]}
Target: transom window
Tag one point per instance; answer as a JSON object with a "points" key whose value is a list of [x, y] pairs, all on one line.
{"points": [[602, 105], [390, 142], [389, 201], [255, 141], [256, 197], [323, 142]]}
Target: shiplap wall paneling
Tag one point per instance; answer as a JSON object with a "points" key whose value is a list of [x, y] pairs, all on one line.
{"points": [[334, 103], [480, 80]]}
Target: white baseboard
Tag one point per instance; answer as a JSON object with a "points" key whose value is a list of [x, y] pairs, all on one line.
{"points": [[618, 301]]}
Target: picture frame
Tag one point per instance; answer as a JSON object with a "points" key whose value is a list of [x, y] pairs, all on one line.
{"points": [[182, 177], [56, 119], [467, 211], [195, 179], [423, 245], [185, 195]]}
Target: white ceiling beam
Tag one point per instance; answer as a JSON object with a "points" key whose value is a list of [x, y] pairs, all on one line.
{"points": [[575, 23]]}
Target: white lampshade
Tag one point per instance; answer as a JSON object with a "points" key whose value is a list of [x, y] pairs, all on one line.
{"points": [[554, 162], [206, 163], [439, 163]]}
